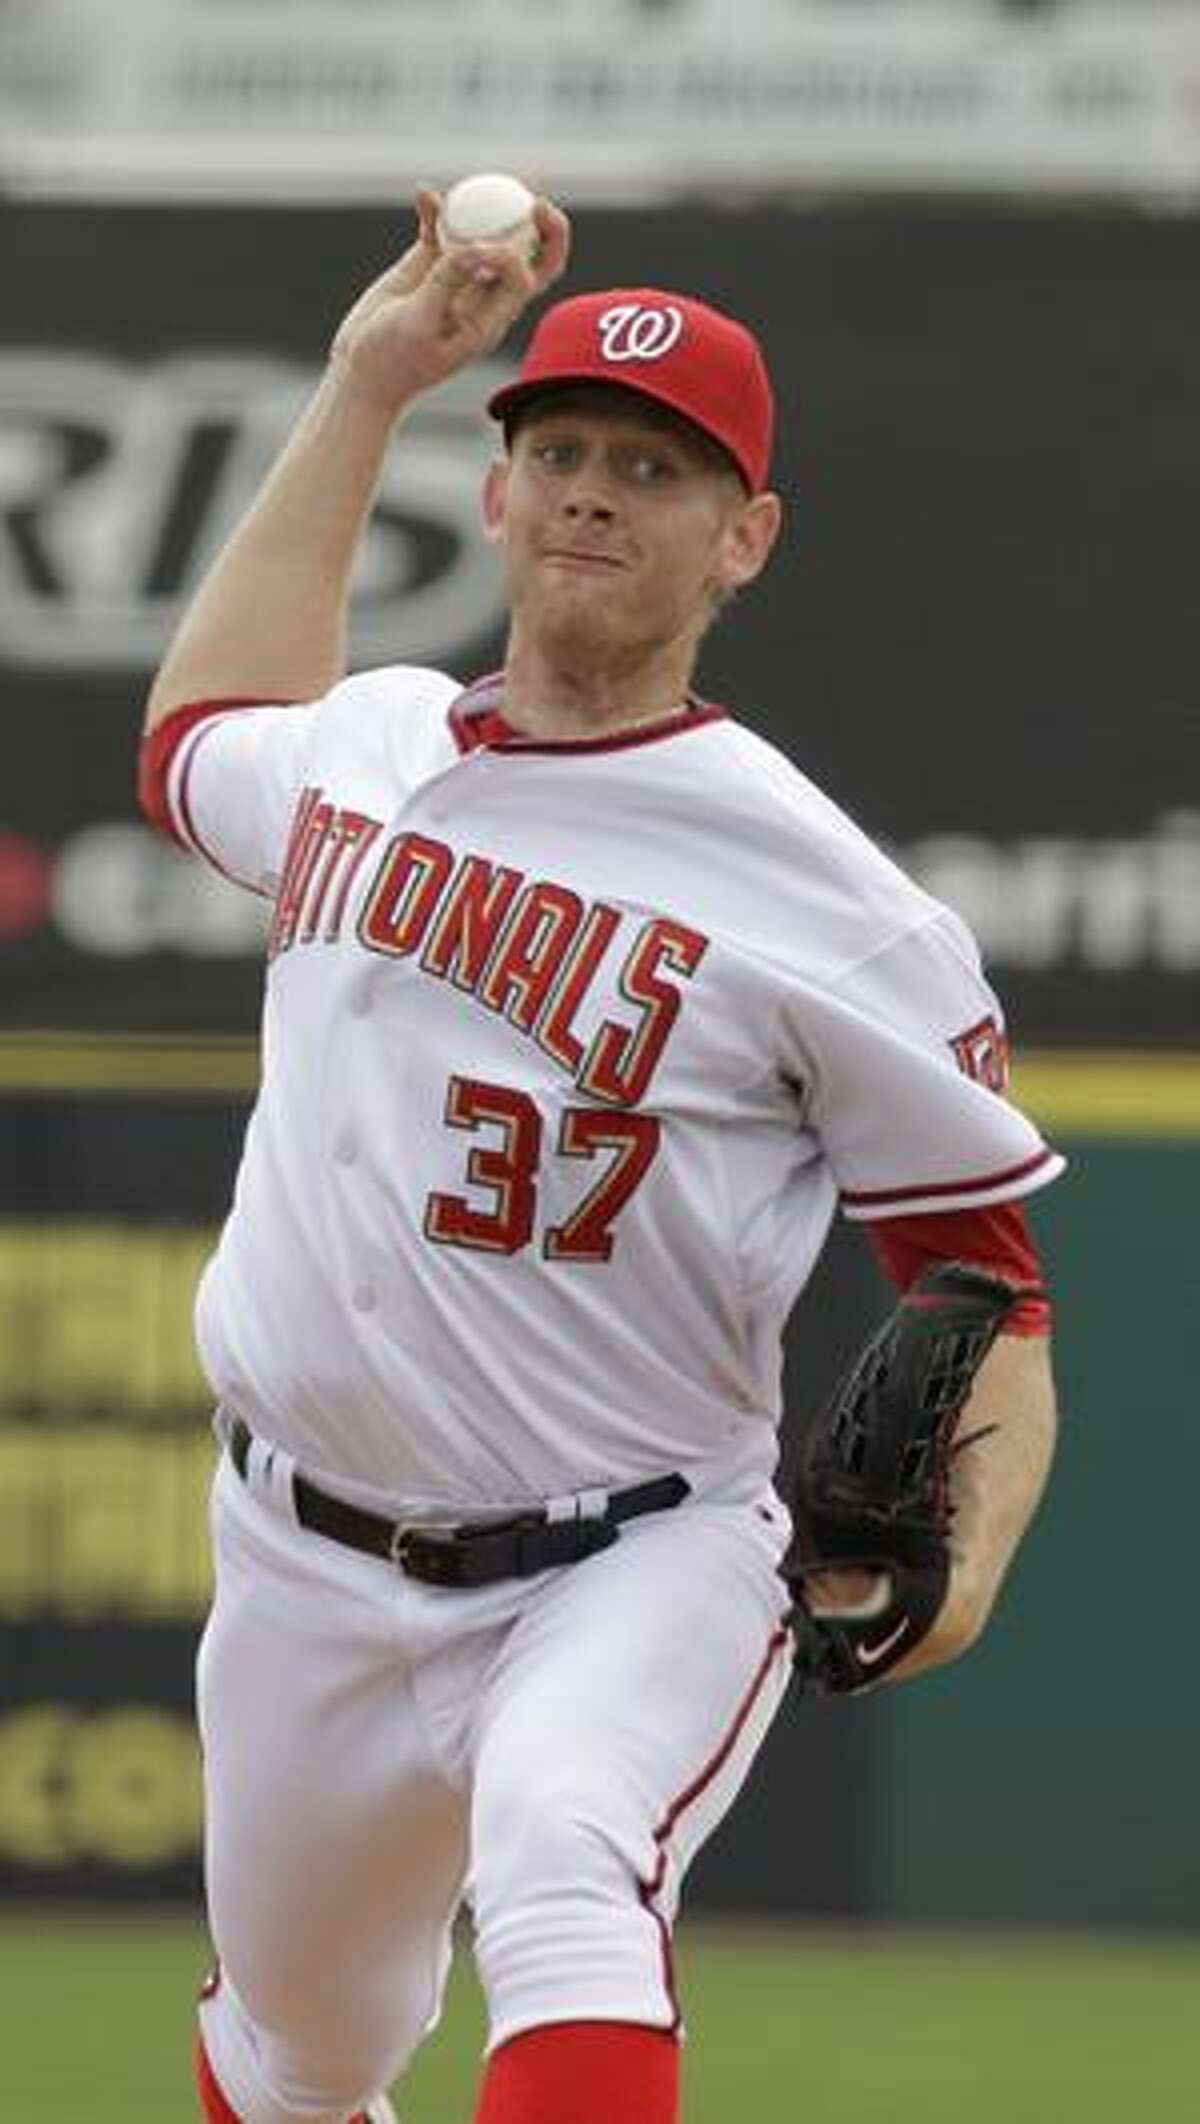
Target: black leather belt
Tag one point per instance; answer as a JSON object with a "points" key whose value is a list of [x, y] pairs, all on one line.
{"points": [[467, 1555]]}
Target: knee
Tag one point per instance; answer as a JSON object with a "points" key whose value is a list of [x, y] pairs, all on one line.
{"points": [[535, 1835], [564, 1926]]}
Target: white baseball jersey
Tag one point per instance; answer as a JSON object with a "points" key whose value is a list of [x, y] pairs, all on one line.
{"points": [[570, 1051]]}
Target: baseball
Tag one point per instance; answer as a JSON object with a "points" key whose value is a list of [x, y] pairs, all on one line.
{"points": [[491, 208]]}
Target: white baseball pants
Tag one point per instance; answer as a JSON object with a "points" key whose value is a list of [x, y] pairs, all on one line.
{"points": [[553, 1749]]}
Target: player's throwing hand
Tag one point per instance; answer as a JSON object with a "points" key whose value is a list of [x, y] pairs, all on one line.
{"points": [[441, 306]]}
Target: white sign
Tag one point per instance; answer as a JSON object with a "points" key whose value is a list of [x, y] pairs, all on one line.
{"points": [[617, 101]]}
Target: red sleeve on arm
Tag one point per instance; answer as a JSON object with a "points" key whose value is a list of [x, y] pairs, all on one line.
{"points": [[996, 1238], [158, 749]]}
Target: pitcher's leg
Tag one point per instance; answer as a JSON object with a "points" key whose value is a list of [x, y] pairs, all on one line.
{"points": [[619, 1725], [335, 1848]]}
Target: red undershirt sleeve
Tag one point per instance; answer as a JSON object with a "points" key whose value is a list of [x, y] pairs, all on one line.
{"points": [[996, 1238]]}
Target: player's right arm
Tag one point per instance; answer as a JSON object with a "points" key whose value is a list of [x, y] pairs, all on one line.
{"points": [[268, 621]]}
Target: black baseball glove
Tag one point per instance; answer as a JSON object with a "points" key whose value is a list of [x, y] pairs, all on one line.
{"points": [[872, 1488]]}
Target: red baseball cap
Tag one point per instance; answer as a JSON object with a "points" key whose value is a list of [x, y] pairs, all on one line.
{"points": [[667, 347]]}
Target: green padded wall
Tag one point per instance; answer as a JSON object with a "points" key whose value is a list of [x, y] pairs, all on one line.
{"points": [[1056, 1772]]}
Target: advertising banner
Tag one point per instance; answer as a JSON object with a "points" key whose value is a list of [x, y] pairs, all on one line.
{"points": [[105, 1461], [977, 634]]}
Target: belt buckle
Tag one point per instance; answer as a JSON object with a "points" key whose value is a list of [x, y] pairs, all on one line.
{"points": [[438, 1545], [402, 1534], [460, 1555]]}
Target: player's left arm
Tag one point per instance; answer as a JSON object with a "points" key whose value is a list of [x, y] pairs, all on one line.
{"points": [[996, 1482], [1006, 1430], [1010, 1415]]}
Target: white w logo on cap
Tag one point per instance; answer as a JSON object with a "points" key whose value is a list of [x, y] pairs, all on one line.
{"points": [[633, 331]]}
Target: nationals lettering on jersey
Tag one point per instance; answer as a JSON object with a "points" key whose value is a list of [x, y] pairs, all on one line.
{"points": [[528, 949]]}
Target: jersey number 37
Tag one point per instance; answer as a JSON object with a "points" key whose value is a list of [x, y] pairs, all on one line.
{"points": [[504, 1172]]}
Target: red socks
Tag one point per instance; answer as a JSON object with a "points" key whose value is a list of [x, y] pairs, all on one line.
{"points": [[583, 2072]]}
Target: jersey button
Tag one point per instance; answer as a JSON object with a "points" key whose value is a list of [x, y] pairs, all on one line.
{"points": [[362, 1297], [346, 1150]]}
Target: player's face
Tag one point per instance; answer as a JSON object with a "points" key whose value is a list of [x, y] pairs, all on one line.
{"points": [[623, 530]]}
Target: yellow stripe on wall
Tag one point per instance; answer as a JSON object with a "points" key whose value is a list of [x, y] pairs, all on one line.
{"points": [[1102, 1092], [1109, 1093], [172, 1065]]}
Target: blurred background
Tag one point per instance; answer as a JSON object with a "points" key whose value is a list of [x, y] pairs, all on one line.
{"points": [[969, 236]]}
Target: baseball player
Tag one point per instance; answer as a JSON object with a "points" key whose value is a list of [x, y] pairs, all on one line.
{"points": [[584, 1012]]}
